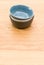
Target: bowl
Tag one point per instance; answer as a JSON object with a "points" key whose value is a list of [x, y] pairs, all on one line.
{"points": [[21, 16]]}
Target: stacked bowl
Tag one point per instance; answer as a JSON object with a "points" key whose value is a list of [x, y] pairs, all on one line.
{"points": [[21, 16]]}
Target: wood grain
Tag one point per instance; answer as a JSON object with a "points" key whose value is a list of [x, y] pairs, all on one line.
{"points": [[21, 58], [26, 46], [31, 38]]}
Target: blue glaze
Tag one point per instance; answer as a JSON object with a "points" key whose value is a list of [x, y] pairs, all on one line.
{"points": [[21, 12]]}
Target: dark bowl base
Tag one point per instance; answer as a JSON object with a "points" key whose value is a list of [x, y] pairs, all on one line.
{"points": [[21, 25]]}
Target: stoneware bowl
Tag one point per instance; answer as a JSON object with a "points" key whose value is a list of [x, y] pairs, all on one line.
{"points": [[21, 16]]}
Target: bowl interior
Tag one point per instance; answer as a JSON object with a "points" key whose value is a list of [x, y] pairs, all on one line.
{"points": [[21, 12]]}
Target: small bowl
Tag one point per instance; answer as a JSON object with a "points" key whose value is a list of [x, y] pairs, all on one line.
{"points": [[21, 16]]}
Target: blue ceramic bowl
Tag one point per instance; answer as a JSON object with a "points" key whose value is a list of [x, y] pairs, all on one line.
{"points": [[21, 16], [21, 12]]}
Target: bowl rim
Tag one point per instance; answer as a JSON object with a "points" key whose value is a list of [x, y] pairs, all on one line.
{"points": [[20, 18]]}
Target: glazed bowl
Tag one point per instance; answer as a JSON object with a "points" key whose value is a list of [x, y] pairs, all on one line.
{"points": [[21, 16]]}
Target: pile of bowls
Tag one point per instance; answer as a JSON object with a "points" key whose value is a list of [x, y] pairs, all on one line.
{"points": [[21, 16]]}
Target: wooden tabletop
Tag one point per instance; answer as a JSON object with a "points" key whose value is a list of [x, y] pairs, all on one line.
{"points": [[21, 58], [31, 38], [26, 46]]}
